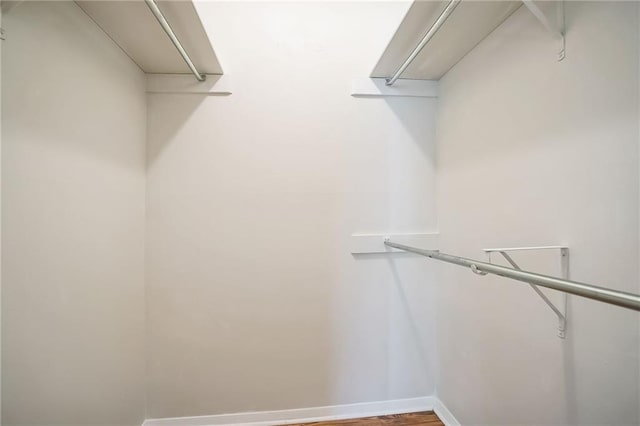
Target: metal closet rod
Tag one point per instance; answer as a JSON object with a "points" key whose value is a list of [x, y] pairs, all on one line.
{"points": [[432, 31], [174, 39], [602, 294]]}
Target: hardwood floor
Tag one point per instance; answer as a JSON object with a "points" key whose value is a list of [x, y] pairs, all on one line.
{"points": [[426, 418]]}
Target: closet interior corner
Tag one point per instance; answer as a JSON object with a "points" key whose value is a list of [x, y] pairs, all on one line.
{"points": [[327, 212]]}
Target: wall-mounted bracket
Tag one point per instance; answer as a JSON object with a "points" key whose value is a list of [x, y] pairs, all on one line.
{"points": [[556, 28], [560, 312], [375, 243], [376, 88], [215, 85]]}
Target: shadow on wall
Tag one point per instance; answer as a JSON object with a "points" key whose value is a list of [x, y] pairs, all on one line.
{"points": [[239, 268], [416, 115], [395, 181], [73, 142], [412, 291], [175, 115], [406, 296], [254, 301], [569, 371]]}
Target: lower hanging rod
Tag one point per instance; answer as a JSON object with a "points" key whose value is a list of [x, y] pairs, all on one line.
{"points": [[602, 294]]}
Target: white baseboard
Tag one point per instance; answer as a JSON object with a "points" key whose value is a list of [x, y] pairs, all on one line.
{"points": [[303, 415], [444, 414]]}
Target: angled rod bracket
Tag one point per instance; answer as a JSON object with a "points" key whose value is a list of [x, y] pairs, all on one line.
{"points": [[620, 298], [560, 312]]}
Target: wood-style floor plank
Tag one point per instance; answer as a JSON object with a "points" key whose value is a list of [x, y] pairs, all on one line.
{"points": [[425, 418]]}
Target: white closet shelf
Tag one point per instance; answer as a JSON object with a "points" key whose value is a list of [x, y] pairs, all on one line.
{"points": [[435, 35], [132, 25], [467, 25]]}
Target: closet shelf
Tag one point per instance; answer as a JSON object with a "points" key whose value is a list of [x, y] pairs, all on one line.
{"points": [[133, 26], [435, 35]]}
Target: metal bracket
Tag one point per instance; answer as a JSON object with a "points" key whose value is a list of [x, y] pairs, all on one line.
{"points": [[557, 29], [561, 312]]}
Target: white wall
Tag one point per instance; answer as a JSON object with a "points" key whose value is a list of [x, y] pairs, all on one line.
{"points": [[254, 301], [73, 133], [536, 152], [0, 222]]}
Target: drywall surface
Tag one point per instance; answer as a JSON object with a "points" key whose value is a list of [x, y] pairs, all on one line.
{"points": [[73, 133], [532, 152], [254, 301]]}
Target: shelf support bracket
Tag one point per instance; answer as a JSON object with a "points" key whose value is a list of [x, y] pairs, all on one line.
{"points": [[560, 312], [557, 30]]}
